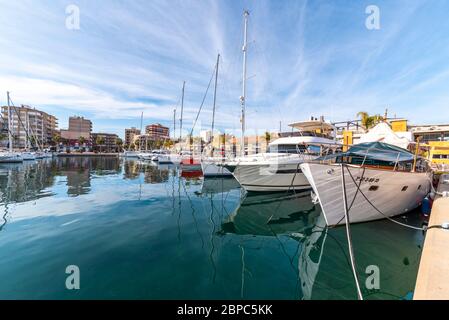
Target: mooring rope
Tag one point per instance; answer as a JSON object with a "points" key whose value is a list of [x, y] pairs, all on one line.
{"points": [[348, 235]]}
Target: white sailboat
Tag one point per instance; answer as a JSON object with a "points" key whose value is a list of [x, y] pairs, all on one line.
{"points": [[222, 167], [10, 156], [370, 181], [278, 169], [27, 155]]}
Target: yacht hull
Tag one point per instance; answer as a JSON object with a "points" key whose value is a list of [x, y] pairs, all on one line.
{"points": [[130, 154], [28, 156], [271, 178], [391, 192], [10, 158], [212, 169]]}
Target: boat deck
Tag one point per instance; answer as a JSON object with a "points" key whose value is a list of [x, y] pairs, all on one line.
{"points": [[433, 276]]}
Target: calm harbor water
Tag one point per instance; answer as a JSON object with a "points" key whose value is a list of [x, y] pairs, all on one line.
{"points": [[139, 231]]}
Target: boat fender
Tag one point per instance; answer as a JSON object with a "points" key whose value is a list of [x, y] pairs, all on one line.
{"points": [[426, 206]]}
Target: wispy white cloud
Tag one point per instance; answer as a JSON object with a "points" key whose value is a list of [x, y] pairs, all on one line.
{"points": [[305, 58]]}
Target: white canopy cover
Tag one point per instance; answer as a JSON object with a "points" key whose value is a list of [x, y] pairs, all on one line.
{"points": [[383, 133]]}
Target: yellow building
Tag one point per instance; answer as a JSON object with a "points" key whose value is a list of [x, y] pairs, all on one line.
{"points": [[439, 152]]}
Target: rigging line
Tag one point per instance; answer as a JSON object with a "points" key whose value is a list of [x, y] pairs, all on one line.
{"points": [[202, 102], [193, 214], [355, 195], [348, 234]]}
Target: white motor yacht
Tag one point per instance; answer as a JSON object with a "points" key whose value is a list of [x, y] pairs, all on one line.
{"points": [[279, 168], [370, 181]]}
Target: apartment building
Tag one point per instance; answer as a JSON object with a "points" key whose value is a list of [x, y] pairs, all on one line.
{"points": [[30, 126], [130, 135], [157, 132], [78, 127]]}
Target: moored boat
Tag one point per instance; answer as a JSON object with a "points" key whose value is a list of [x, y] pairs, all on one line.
{"points": [[10, 157], [28, 156], [279, 168], [370, 181]]}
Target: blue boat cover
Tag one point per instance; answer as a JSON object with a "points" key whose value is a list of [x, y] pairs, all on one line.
{"points": [[377, 151]]}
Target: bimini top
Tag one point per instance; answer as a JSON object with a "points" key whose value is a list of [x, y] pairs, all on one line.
{"points": [[312, 125], [377, 151], [302, 140]]}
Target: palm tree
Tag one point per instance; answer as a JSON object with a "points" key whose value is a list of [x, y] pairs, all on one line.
{"points": [[119, 143], [267, 137], [100, 141], [168, 144], [367, 120], [81, 140]]}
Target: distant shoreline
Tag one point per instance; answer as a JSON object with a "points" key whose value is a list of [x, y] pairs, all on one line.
{"points": [[87, 154]]}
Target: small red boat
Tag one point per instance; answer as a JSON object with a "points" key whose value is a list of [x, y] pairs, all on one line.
{"points": [[191, 168]]}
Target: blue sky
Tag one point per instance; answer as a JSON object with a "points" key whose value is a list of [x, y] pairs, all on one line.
{"points": [[304, 58]]}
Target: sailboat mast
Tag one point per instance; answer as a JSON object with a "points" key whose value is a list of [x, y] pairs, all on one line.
{"points": [[9, 123], [141, 128], [243, 97], [182, 111], [215, 96], [174, 124], [28, 143]]}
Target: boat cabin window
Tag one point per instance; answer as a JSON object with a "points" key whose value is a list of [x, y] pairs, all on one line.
{"points": [[287, 148]]}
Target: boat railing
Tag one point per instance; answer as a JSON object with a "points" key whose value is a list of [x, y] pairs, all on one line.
{"points": [[369, 159]]}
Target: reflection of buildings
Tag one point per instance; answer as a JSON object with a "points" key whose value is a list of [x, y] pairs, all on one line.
{"points": [[79, 170], [25, 182], [151, 173], [155, 175], [131, 169]]}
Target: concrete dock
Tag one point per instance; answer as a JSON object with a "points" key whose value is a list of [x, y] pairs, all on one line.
{"points": [[433, 275]]}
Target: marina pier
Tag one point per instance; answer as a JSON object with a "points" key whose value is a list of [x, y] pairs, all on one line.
{"points": [[433, 279]]}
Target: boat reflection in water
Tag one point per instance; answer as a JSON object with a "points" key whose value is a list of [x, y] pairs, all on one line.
{"points": [[219, 185], [321, 258], [271, 214]]}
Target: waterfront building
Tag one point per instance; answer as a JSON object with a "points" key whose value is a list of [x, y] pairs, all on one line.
{"points": [[206, 135], [30, 126], [430, 132], [130, 135], [105, 142], [79, 127], [157, 132]]}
